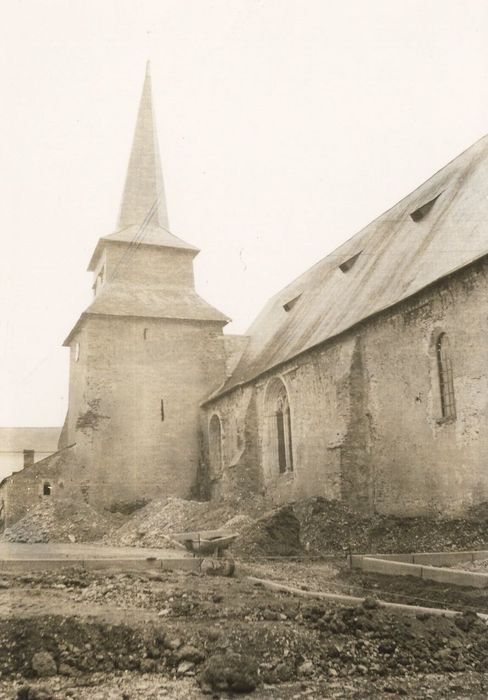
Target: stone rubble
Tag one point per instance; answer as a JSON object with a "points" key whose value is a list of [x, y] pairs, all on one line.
{"points": [[61, 520]]}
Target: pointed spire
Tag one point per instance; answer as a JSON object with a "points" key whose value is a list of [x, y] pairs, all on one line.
{"points": [[143, 196]]}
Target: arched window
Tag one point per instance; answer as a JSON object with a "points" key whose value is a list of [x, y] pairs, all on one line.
{"points": [[446, 384], [280, 442], [215, 445]]}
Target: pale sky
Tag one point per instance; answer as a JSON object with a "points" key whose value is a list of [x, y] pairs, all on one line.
{"points": [[285, 126]]}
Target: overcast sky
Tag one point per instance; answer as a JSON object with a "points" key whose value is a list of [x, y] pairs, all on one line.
{"points": [[285, 126]]}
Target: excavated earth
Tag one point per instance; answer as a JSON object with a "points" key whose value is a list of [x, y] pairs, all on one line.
{"points": [[79, 634], [313, 525]]}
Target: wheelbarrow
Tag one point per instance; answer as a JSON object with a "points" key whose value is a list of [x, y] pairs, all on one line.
{"points": [[212, 544], [206, 542]]}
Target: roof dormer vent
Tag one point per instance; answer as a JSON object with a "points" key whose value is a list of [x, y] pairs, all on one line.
{"points": [[422, 211], [347, 264], [290, 304]]}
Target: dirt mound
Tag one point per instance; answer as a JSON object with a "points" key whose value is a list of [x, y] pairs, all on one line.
{"points": [[322, 642], [68, 645], [274, 534], [314, 525], [153, 525], [56, 520], [232, 514], [330, 526]]}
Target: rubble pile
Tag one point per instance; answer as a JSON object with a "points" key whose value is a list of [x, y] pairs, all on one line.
{"points": [[153, 525], [275, 534], [292, 641], [226, 635], [330, 526], [58, 520], [312, 525]]}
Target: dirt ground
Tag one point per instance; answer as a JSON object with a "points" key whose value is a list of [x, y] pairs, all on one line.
{"points": [[78, 634], [132, 636]]}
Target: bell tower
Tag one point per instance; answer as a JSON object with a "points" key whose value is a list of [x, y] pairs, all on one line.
{"points": [[147, 351]]}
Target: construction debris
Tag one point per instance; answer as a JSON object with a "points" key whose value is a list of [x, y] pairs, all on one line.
{"points": [[226, 634], [311, 526], [331, 526], [61, 520], [153, 525]]}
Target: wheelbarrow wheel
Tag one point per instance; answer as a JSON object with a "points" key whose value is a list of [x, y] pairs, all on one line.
{"points": [[217, 567], [229, 565]]}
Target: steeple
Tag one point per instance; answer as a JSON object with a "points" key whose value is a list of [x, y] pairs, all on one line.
{"points": [[143, 217], [143, 199]]}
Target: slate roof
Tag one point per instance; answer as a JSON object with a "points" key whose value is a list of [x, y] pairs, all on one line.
{"points": [[118, 299], [144, 186], [152, 235], [143, 221], [398, 257]]}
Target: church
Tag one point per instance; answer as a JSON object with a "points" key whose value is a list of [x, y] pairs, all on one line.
{"points": [[365, 380]]}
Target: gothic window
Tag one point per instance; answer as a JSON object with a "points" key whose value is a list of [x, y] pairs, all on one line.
{"points": [[215, 445], [279, 444], [446, 384]]}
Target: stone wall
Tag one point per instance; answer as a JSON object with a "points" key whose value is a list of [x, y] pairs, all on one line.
{"points": [[146, 265], [25, 489], [365, 411], [422, 462], [134, 404]]}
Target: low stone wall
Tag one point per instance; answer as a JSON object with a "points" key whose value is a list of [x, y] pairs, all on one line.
{"points": [[430, 569]]}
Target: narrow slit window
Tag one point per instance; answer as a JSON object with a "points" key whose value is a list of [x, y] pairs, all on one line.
{"points": [[290, 304], [290, 443], [347, 264], [280, 431], [145, 333], [162, 410], [215, 446], [46, 489], [422, 211], [446, 383]]}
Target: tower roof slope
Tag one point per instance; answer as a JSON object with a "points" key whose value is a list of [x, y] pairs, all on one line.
{"points": [[160, 302], [137, 235], [143, 217], [116, 299], [143, 198], [437, 229]]}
